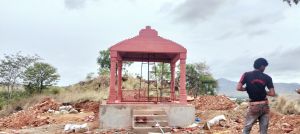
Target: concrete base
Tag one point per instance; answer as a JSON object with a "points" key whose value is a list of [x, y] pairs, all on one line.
{"points": [[116, 116]]}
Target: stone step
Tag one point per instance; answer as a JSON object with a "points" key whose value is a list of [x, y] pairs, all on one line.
{"points": [[162, 123], [145, 120], [149, 117], [146, 130]]}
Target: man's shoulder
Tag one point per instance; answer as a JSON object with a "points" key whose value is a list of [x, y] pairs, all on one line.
{"points": [[249, 72], [266, 75]]}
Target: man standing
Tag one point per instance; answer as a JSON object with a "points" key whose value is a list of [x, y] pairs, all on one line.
{"points": [[256, 81]]}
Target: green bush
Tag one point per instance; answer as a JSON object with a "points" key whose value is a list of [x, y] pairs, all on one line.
{"points": [[239, 101], [15, 96], [55, 91]]}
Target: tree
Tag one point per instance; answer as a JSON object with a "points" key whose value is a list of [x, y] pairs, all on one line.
{"points": [[161, 72], [292, 1], [192, 80], [12, 69], [103, 61], [89, 76], [199, 80], [208, 85], [40, 76]]}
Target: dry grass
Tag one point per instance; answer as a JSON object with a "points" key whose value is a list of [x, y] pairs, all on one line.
{"points": [[2, 88], [133, 83], [80, 95], [68, 96], [23, 103], [287, 106], [93, 90]]}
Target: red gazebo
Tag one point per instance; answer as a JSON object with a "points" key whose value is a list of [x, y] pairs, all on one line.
{"points": [[147, 47]]}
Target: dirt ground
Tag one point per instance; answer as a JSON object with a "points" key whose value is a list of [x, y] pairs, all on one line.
{"points": [[36, 119]]}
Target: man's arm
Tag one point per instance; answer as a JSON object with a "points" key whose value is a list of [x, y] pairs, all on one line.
{"points": [[240, 87], [270, 86], [271, 92], [241, 83]]}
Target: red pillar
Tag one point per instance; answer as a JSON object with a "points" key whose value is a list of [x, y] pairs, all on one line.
{"points": [[112, 89], [182, 92], [173, 64], [119, 81]]}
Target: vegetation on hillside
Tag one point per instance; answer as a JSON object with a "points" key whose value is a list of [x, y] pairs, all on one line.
{"points": [[199, 80], [39, 77], [287, 106], [12, 68], [103, 61], [19, 72]]}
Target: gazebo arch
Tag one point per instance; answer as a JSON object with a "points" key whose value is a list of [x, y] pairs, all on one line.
{"points": [[147, 47]]}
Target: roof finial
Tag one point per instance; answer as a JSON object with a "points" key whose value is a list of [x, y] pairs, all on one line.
{"points": [[148, 32]]}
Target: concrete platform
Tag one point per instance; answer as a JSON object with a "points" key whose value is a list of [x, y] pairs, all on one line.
{"points": [[116, 116]]}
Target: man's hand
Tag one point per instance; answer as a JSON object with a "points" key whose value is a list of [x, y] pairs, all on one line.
{"points": [[240, 87], [271, 92]]}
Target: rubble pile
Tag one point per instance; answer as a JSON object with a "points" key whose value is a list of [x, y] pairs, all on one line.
{"points": [[64, 110], [214, 114], [69, 128], [89, 106], [284, 123], [213, 103], [30, 117]]}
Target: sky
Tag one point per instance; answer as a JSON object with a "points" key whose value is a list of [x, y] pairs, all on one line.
{"points": [[228, 35]]}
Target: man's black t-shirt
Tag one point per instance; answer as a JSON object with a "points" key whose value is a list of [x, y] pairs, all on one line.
{"points": [[256, 83]]}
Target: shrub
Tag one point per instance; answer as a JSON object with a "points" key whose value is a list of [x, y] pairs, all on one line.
{"points": [[287, 106], [55, 90], [16, 96]]}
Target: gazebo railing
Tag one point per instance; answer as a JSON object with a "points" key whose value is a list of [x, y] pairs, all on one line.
{"points": [[142, 96]]}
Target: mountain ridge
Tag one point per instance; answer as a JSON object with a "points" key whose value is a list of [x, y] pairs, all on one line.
{"points": [[228, 88]]}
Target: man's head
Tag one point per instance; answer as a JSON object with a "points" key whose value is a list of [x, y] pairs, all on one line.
{"points": [[260, 64]]}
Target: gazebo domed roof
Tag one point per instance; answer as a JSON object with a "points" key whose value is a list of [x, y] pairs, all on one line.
{"points": [[148, 41]]}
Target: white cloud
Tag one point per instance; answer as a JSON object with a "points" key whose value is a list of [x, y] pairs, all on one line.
{"points": [[75, 4]]}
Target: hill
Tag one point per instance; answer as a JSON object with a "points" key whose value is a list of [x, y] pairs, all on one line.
{"points": [[228, 88]]}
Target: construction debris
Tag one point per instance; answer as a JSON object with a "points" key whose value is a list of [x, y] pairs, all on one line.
{"points": [[64, 110], [90, 118], [30, 117], [287, 128], [213, 103], [216, 120], [190, 98], [207, 108], [193, 125], [90, 106], [76, 128]]}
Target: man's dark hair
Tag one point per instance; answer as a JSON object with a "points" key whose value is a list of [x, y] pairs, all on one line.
{"points": [[260, 62]]}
